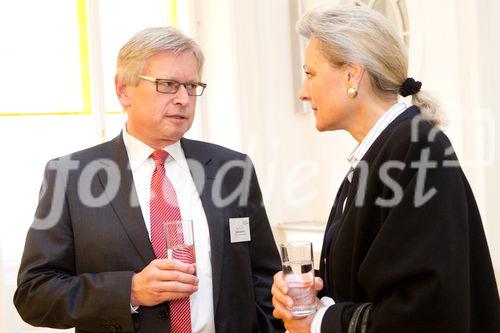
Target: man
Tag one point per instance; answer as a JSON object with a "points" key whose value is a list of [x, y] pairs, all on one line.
{"points": [[95, 257]]}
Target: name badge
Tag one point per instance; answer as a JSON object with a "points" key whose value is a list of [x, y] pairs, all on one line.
{"points": [[239, 229]]}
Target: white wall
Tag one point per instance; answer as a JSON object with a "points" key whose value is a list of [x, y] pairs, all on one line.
{"points": [[457, 62], [488, 38], [299, 168]]}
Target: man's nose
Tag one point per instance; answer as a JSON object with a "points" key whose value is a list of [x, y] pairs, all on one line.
{"points": [[181, 96]]}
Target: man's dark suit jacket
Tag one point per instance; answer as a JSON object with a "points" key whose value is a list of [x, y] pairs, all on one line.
{"points": [[78, 272], [425, 267]]}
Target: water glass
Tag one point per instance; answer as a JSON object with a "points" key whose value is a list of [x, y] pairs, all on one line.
{"points": [[298, 273], [180, 240]]}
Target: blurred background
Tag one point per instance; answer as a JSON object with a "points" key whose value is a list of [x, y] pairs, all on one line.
{"points": [[57, 60]]}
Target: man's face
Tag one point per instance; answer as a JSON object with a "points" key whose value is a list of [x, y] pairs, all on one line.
{"points": [[155, 118]]}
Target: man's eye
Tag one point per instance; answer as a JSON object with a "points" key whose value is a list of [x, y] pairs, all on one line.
{"points": [[191, 86], [169, 84]]}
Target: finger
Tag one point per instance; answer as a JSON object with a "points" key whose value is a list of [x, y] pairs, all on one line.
{"points": [[281, 297], [177, 287], [280, 311], [277, 314], [169, 296], [168, 264], [171, 275], [277, 304], [280, 283], [318, 283]]}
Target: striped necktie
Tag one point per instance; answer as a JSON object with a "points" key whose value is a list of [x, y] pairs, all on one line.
{"points": [[163, 207]]}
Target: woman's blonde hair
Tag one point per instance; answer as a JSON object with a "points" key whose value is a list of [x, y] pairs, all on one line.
{"points": [[353, 34], [134, 54]]}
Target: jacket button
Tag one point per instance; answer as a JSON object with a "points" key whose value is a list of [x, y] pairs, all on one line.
{"points": [[163, 315], [116, 328]]}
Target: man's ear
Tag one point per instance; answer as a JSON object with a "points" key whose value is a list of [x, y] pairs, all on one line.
{"points": [[121, 92]]}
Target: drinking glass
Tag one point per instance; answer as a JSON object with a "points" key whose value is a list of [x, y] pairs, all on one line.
{"points": [[180, 240], [298, 273]]}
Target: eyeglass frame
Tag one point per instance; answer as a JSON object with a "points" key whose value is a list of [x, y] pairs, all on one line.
{"points": [[156, 81]]}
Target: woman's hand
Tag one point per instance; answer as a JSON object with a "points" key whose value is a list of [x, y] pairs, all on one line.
{"points": [[284, 303]]}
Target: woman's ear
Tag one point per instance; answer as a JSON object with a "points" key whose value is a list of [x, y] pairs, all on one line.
{"points": [[354, 74], [121, 92]]}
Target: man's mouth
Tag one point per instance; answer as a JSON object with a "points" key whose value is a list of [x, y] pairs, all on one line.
{"points": [[176, 116]]}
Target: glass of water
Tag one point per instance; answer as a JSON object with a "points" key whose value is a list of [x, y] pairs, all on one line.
{"points": [[298, 273], [180, 240]]}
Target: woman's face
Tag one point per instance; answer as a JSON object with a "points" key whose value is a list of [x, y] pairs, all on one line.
{"points": [[325, 88]]}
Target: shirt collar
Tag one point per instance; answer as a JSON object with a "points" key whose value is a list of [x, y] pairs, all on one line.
{"points": [[381, 124], [139, 152]]}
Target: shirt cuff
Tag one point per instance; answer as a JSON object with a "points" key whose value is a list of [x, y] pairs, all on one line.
{"points": [[326, 302], [133, 309]]}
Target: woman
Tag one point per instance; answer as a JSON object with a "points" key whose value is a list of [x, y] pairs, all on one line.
{"points": [[404, 249]]}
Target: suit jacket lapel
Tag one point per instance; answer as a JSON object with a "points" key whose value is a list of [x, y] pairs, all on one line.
{"points": [[203, 178], [126, 204]]}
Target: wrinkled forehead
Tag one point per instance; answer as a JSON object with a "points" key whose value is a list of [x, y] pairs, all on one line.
{"points": [[170, 64]]}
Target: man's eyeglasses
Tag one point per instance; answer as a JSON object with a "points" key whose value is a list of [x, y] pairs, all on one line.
{"points": [[165, 86]]}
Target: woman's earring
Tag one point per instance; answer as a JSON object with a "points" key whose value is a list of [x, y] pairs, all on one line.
{"points": [[352, 92]]}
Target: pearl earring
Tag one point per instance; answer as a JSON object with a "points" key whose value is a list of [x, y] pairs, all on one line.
{"points": [[352, 92]]}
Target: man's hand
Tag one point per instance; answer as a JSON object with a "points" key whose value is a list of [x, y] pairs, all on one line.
{"points": [[283, 304], [163, 280]]}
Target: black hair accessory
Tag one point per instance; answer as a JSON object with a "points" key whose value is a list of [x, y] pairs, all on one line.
{"points": [[410, 87]]}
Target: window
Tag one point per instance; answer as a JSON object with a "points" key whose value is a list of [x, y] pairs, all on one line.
{"points": [[57, 59], [394, 10], [43, 58]]}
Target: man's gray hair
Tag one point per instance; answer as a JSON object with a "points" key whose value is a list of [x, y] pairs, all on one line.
{"points": [[148, 42]]}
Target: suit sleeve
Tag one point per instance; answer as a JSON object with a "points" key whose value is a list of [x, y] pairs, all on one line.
{"points": [[418, 272], [50, 292], [264, 258]]}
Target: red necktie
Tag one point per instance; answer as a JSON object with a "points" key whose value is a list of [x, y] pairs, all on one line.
{"points": [[163, 207]]}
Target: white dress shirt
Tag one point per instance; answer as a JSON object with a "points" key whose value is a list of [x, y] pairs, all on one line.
{"points": [[381, 124], [177, 171], [354, 158]]}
